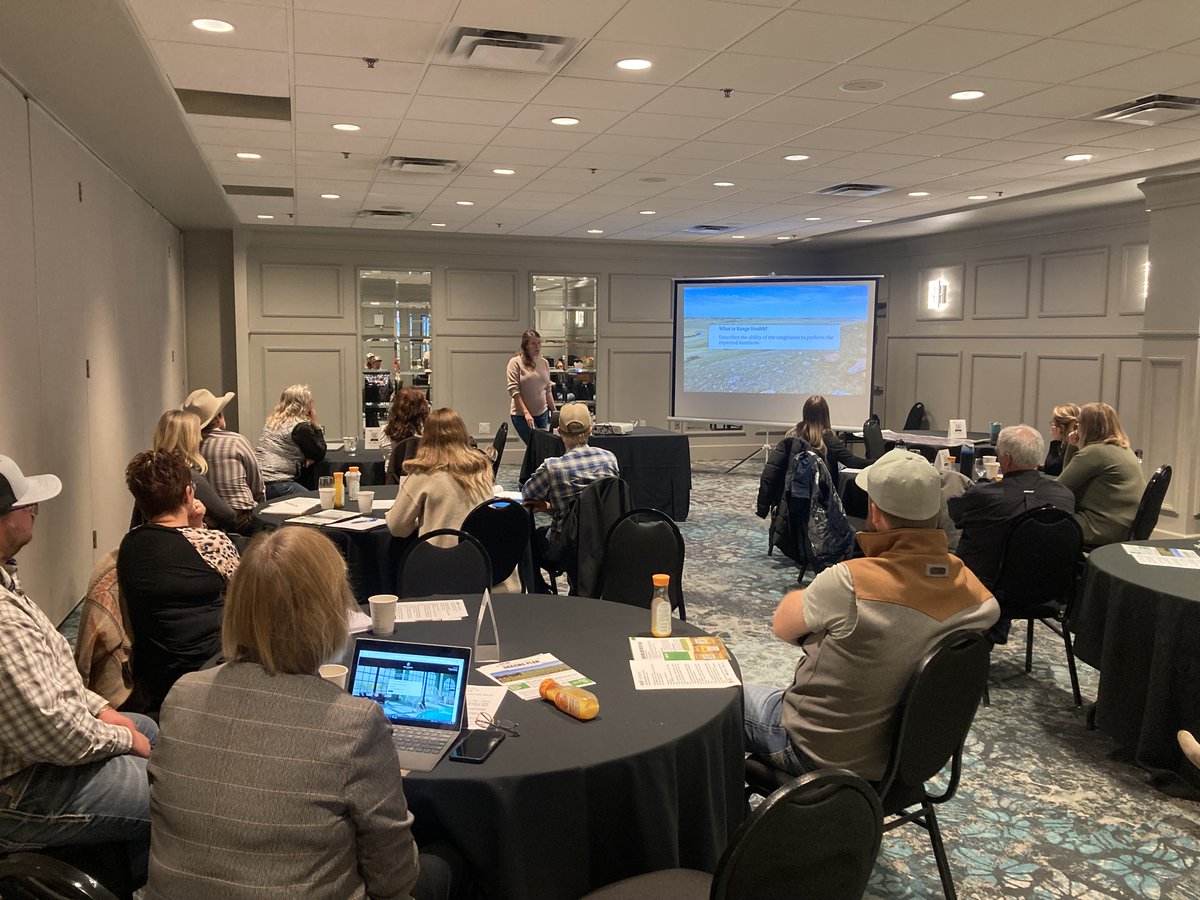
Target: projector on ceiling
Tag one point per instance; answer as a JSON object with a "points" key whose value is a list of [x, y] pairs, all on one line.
{"points": [[612, 428]]}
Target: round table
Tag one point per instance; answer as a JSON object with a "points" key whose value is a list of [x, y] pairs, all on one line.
{"points": [[369, 461], [1140, 626], [655, 781]]}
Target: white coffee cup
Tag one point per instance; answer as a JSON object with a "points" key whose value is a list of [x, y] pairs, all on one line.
{"points": [[326, 497], [991, 469], [334, 674], [988, 460], [365, 500], [383, 613]]}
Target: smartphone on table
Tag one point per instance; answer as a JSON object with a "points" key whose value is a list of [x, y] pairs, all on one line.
{"points": [[477, 745]]}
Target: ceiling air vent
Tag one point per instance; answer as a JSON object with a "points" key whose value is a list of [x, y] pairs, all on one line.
{"points": [[386, 214], [421, 166], [1155, 109], [850, 189], [711, 229], [512, 50]]}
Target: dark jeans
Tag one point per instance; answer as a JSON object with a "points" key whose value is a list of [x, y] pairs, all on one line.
{"points": [[541, 423], [277, 489]]}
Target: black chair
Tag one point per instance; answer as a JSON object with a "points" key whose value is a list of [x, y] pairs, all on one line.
{"points": [[503, 528], [873, 438], [916, 418], [1151, 505], [36, 876], [427, 569], [1039, 568], [932, 720], [640, 544], [401, 453], [816, 836], [498, 444], [585, 527]]}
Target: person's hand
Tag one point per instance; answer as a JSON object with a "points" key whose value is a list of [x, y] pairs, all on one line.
{"points": [[529, 419], [1073, 437], [141, 745], [537, 505], [196, 514]]}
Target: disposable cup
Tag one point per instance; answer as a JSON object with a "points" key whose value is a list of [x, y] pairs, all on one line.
{"points": [[365, 501], [326, 497], [383, 613], [988, 460], [991, 470], [334, 674]]}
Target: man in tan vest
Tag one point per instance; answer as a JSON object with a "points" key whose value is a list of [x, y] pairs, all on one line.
{"points": [[864, 625]]}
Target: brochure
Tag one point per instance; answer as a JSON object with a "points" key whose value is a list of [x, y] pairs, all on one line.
{"points": [[324, 517], [658, 674], [674, 649], [1172, 557], [293, 506], [430, 610], [524, 676]]}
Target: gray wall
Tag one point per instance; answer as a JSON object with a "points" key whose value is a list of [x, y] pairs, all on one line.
{"points": [[211, 332]]}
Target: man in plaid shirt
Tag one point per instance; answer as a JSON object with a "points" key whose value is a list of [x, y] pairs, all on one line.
{"points": [[559, 479], [72, 768], [232, 467]]}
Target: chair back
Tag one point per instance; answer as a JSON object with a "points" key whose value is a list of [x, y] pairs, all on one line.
{"points": [[1038, 563], [498, 444], [401, 453], [933, 718], [640, 544], [585, 528], [817, 836], [873, 438], [1151, 505], [104, 642], [427, 568], [916, 417], [503, 528], [35, 876]]}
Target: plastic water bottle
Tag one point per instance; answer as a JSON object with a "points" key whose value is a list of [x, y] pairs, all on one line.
{"points": [[572, 700], [353, 478], [660, 607]]}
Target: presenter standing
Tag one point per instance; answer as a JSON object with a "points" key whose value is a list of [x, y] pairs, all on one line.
{"points": [[530, 386]]}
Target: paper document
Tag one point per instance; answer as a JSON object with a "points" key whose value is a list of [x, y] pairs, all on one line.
{"points": [[659, 674], [381, 504], [430, 610], [524, 676], [359, 621], [507, 495], [324, 517], [1172, 557], [482, 699], [674, 649], [294, 506], [358, 523], [334, 445]]}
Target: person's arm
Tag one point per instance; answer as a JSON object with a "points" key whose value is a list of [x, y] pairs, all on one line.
{"points": [[544, 370], [311, 441], [789, 624], [514, 390], [837, 452], [141, 744], [1078, 471], [770, 482], [826, 605], [968, 509], [405, 512], [537, 486], [220, 513]]}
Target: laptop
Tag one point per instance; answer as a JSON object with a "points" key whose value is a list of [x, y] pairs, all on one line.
{"points": [[423, 691]]}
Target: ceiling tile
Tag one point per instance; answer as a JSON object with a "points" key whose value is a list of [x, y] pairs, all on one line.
{"points": [[934, 48], [717, 151], [1064, 101], [1156, 137], [897, 83], [319, 171], [988, 125], [804, 111], [343, 143], [229, 69], [480, 84], [1156, 73], [665, 126], [628, 144], [435, 149], [1000, 151], [745, 72], [838, 138], [234, 139], [413, 10], [684, 23], [908, 11], [1076, 132], [322, 123], [997, 91], [446, 131], [594, 160], [572, 94], [762, 132], [195, 121], [689, 101], [1027, 16], [351, 73], [256, 26], [598, 59], [335, 34], [535, 139], [236, 171], [668, 165], [333, 159], [514, 157], [464, 112], [1102, 154], [924, 145], [899, 118], [372, 104], [1056, 60], [591, 121], [1155, 24], [811, 35], [575, 18]]}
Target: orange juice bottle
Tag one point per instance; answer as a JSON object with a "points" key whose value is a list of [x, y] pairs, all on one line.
{"points": [[339, 493], [572, 700], [660, 607]]}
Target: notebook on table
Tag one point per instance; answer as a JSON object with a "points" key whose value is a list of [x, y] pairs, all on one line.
{"points": [[422, 689]]}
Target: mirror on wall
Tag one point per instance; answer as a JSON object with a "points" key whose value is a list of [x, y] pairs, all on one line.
{"points": [[394, 329], [564, 310]]}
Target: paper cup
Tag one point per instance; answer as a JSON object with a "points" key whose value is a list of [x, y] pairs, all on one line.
{"points": [[326, 497], [383, 613], [334, 674], [991, 469], [988, 460], [365, 500]]}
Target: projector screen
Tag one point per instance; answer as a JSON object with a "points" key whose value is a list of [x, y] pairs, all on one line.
{"points": [[753, 349]]}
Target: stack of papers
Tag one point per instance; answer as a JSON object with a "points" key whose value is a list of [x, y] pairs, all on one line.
{"points": [[293, 506], [431, 610], [682, 662], [1173, 557], [482, 699], [524, 676], [324, 517], [356, 523]]}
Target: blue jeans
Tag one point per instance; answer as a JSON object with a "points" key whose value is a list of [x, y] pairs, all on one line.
{"points": [[107, 801], [541, 423], [764, 733], [277, 489]]}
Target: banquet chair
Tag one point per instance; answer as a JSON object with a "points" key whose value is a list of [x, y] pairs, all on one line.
{"points": [[816, 836], [1151, 504], [873, 438], [401, 453], [39, 876], [498, 444], [931, 724], [639, 545], [585, 528], [503, 528], [1039, 568], [917, 418], [427, 569], [104, 642]]}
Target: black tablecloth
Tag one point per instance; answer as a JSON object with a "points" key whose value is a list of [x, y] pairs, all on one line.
{"points": [[1140, 626], [369, 462], [657, 464], [371, 556], [655, 781]]}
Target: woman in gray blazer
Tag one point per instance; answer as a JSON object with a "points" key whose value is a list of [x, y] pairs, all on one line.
{"points": [[268, 781]]}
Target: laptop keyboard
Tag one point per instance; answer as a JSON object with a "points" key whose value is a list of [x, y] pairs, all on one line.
{"points": [[414, 738]]}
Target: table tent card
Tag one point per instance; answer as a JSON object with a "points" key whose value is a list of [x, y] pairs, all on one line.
{"points": [[957, 430]]}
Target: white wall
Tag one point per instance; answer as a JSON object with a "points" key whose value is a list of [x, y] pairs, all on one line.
{"points": [[91, 283]]}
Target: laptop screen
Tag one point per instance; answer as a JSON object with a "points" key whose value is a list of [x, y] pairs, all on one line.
{"points": [[416, 684]]}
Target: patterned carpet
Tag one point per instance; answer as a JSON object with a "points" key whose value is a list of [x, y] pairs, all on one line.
{"points": [[1045, 809]]}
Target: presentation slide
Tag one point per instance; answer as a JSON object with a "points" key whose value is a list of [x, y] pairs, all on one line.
{"points": [[754, 349]]}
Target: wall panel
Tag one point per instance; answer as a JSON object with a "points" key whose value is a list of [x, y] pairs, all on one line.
{"points": [[640, 300], [1075, 283], [1002, 289], [1064, 379], [1129, 396], [1163, 433], [997, 389], [294, 292], [936, 384], [629, 370], [324, 363], [484, 296]]}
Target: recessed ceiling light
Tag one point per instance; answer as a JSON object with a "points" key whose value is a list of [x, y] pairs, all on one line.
{"points": [[595, 231], [216, 26], [737, 237], [465, 202], [918, 193], [785, 237], [504, 171], [722, 184], [796, 157], [331, 196], [861, 85], [647, 212], [1079, 157], [346, 126], [249, 156], [266, 217], [634, 65], [967, 95], [977, 197], [864, 221], [564, 120], [437, 224], [812, 218]]}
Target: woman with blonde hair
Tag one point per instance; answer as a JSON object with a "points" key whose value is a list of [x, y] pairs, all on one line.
{"points": [[178, 431], [291, 440], [1104, 475], [1062, 422], [530, 386], [263, 746]]}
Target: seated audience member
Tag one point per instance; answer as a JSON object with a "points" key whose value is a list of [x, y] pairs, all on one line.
{"points": [[269, 781], [179, 431], [1062, 422], [864, 625], [232, 466], [559, 479], [291, 440], [72, 769], [1104, 474], [173, 573], [406, 419]]}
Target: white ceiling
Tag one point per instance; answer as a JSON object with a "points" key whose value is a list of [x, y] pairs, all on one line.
{"points": [[657, 140]]}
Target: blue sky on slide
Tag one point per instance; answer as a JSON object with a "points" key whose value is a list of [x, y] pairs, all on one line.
{"points": [[776, 301]]}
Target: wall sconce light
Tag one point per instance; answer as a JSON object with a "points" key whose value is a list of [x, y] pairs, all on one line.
{"points": [[936, 296]]}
